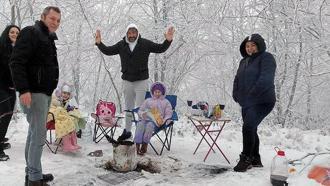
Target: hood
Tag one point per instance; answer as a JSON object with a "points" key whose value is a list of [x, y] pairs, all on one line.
{"points": [[158, 86], [132, 25], [256, 38], [65, 87]]}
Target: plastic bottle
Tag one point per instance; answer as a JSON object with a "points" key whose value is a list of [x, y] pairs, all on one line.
{"points": [[279, 169]]}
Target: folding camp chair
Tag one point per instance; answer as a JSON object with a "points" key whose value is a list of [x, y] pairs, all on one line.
{"points": [[50, 126], [105, 123], [165, 139], [103, 129]]}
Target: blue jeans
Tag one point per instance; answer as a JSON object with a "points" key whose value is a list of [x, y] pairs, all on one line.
{"points": [[36, 116]]}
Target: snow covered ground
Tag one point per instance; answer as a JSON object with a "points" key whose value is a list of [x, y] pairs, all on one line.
{"points": [[179, 166]]}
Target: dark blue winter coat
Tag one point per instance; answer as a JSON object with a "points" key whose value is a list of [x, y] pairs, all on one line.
{"points": [[254, 80]]}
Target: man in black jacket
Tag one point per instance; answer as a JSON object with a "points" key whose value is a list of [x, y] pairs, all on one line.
{"points": [[134, 53], [35, 72]]}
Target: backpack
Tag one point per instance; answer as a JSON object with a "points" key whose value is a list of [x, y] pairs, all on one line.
{"points": [[106, 112]]}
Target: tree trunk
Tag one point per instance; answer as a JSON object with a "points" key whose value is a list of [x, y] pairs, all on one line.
{"points": [[295, 81], [76, 67]]}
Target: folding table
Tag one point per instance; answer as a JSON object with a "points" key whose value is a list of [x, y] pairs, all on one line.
{"points": [[203, 126]]}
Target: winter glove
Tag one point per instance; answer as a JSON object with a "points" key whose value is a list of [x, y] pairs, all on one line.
{"points": [[70, 108]]}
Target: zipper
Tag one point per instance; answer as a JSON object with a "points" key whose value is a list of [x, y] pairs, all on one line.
{"points": [[39, 76]]}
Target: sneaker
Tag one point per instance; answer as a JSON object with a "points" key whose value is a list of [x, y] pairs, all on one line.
{"points": [[244, 163], [256, 161], [5, 146], [124, 136], [3, 156]]}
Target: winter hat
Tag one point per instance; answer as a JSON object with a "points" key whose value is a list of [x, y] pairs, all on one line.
{"points": [[66, 88], [158, 86], [132, 44], [132, 25], [257, 39]]}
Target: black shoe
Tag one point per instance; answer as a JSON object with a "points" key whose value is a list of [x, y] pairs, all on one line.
{"points": [[124, 136], [45, 178], [5, 146], [3, 156], [244, 163], [37, 183], [256, 161], [4, 140]]}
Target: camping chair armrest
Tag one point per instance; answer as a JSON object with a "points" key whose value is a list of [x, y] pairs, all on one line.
{"points": [[168, 121], [135, 110], [52, 115], [96, 117]]}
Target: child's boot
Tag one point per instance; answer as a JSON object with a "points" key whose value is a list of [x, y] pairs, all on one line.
{"points": [[67, 145], [144, 148], [138, 148], [74, 140]]}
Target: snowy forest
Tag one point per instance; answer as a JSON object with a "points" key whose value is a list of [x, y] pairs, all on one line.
{"points": [[201, 63]]}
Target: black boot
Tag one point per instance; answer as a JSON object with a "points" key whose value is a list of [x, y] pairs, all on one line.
{"points": [[3, 156], [45, 178], [244, 163], [37, 183], [256, 161], [124, 136]]}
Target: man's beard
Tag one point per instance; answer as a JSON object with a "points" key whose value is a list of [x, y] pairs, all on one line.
{"points": [[131, 39]]}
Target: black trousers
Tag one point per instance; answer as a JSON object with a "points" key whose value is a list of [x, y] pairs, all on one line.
{"points": [[252, 117], [7, 104]]}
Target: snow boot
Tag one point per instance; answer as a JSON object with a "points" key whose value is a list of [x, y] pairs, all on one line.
{"points": [[138, 148], [45, 178], [244, 164], [124, 136], [256, 161], [3, 156], [67, 144], [144, 148], [74, 140]]}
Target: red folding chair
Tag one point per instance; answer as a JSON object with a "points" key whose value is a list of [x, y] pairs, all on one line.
{"points": [[50, 126]]}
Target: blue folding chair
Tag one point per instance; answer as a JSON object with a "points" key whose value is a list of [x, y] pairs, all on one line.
{"points": [[166, 139]]}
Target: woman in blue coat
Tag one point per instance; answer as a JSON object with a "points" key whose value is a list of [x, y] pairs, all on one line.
{"points": [[254, 90]]}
